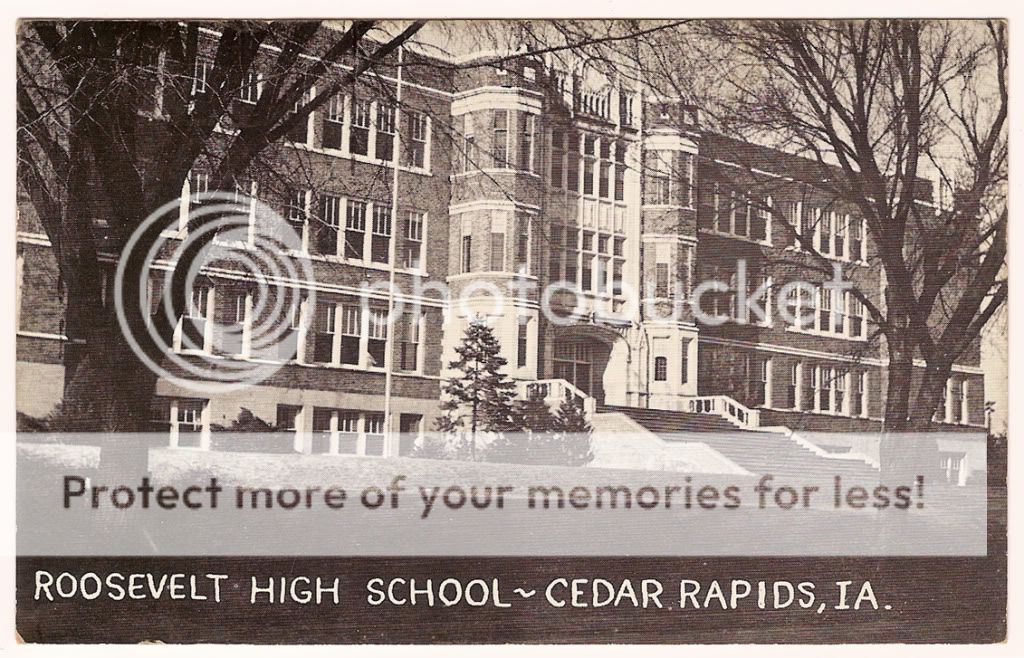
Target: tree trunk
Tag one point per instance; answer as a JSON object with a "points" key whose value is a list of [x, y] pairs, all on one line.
{"points": [[906, 449]]}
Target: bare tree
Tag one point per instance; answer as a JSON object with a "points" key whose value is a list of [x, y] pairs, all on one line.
{"points": [[884, 108], [112, 116]]}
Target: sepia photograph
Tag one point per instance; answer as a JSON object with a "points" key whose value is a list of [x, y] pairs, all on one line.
{"points": [[518, 331]]}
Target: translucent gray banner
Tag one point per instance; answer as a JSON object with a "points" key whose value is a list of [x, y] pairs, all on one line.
{"points": [[905, 499]]}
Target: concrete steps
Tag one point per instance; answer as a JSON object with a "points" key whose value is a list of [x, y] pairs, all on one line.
{"points": [[758, 452]]}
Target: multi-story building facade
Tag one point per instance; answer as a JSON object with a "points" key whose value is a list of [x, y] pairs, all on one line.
{"points": [[515, 178]]}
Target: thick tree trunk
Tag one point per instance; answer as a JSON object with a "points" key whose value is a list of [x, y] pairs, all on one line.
{"points": [[906, 449]]}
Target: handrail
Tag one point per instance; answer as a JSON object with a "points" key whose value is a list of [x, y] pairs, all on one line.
{"points": [[552, 390], [727, 408]]}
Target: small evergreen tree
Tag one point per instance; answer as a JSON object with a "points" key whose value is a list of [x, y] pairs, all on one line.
{"points": [[479, 396], [575, 440]]}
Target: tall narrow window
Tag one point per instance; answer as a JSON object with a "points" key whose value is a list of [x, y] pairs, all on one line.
{"points": [[500, 139], [857, 395], [412, 257], [409, 342], [326, 241], [827, 377], [351, 330], [359, 131], [660, 368], [470, 156], [380, 241], [385, 147], [840, 386], [526, 143], [557, 157], [684, 361], [839, 234], [604, 170], [689, 176], [497, 252], [824, 309], [964, 403], [661, 280], [620, 171], [741, 215], [791, 213], [200, 72], [521, 342], [759, 221], [467, 253], [856, 239], [249, 91], [825, 233], [856, 316], [793, 388], [416, 148], [299, 131], [523, 247], [572, 163], [377, 339], [589, 162], [323, 340], [355, 228], [658, 187], [194, 322], [334, 123]]}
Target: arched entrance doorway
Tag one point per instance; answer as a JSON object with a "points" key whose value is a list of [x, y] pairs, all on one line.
{"points": [[591, 357]]}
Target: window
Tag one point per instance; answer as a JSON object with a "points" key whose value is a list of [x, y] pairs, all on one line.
{"points": [[791, 213], [287, 418], [500, 138], [688, 178], [604, 171], [660, 368], [467, 253], [416, 153], [572, 169], [956, 403], [793, 388], [659, 179], [824, 309], [661, 280], [334, 125], [295, 210], [355, 228], [233, 331], [326, 241], [557, 157], [808, 218], [351, 330], [323, 340], [951, 464], [322, 430], [586, 272], [839, 235], [760, 220], [194, 323], [200, 73], [757, 379], [827, 376], [298, 133], [857, 395], [385, 147], [471, 159], [380, 242], [497, 252], [249, 91], [589, 160], [684, 361], [521, 341], [840, 386], [856, 239], [523, 248], [964, 403], [526, 143], [378, 337], [189, 423], [620, 171], [617, 277], [413, 251], [825, 233], [409, 340], [741, 209], [374, 438], [359, 131], [857, 324], [288, 346]]}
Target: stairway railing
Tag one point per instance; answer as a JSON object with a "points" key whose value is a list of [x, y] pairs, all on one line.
{"points": [[553, 391], [727, 408]]}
